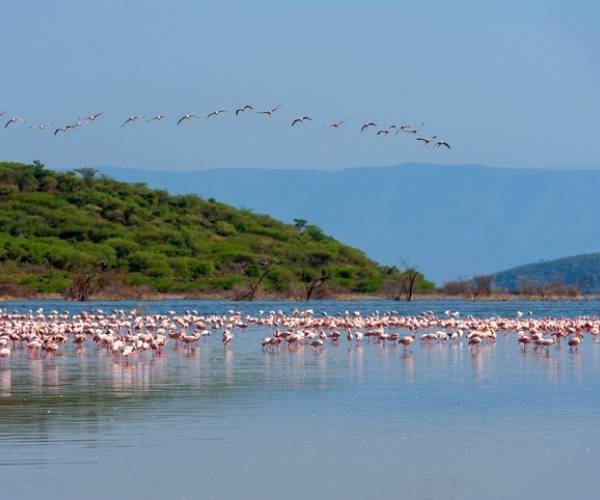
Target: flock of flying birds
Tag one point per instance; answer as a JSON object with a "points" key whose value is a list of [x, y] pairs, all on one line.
{"points": [[434, 141]]}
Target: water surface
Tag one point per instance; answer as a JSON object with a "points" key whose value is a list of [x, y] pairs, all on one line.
{"points": [[348, 422]]}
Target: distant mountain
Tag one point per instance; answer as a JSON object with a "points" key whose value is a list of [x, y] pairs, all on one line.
{"points": [[450, 221], [582, 270]]}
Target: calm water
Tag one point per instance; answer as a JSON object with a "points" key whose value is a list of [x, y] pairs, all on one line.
{"points": [[347, 423]]}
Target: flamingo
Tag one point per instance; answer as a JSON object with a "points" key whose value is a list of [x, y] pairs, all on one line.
{"points": [[187, 116], [426, 140], [269, 112], [130, 119], [243, 109], [158, 117], [301, 119], [336, 124], [93, 117], [366, 126], [14, 119], [216, 113], [574, 341]]}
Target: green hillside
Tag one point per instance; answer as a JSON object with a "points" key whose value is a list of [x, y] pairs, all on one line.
{"points": [[61, 229], [581, 271]]}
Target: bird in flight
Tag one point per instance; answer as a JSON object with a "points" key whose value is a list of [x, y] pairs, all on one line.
{"points": [[300, 119], [336, 124], [269, 112], [241, 110], [425, 140], [2, 113], [366, 126], [216, 113], [41, 126], [384, 131], [14, 119], [130, 119], [413, 130], [403, 128], [441, 143], [157, 117], [92, 118], [187, 116], [62, 129]]}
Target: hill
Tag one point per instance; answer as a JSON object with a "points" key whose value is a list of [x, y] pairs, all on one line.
{"points": [[63, 231], [582, 271], [449, 221]]}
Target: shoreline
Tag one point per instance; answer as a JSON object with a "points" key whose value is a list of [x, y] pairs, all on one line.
{"points": [[158, 297]]}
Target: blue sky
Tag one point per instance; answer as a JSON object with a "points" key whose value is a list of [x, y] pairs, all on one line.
{"points": [[511, 83]]}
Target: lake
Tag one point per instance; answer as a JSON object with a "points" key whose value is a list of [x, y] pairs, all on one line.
{"points": [[349, 421]]}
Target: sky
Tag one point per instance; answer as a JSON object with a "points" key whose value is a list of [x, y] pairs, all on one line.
{"points": [[511, 83]]}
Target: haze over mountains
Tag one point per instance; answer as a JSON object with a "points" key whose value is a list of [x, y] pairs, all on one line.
{"points": [[449, 221]]}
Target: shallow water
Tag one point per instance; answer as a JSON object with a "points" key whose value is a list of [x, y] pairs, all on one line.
{"points": [[349, 422]]}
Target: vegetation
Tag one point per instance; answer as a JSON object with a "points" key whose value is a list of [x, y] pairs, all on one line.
{"points": [[78, 233], [539, 281]]}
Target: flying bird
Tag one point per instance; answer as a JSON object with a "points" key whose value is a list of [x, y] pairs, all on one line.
{"points": [[41, 126], [132, 118], [441, 143], [2, 113], [269, 112], [425, 140], [92, 118], [301, 119], [14, 119], [241, 110], [336, 124], [157, 117], [61, 129], [366, 126], [188, 116], [413, 130], [403, 128], [216, 113], [384, 131]]}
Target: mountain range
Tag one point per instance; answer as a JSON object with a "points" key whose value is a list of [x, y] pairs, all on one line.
{"points": [[580, 270], [449, 221]]}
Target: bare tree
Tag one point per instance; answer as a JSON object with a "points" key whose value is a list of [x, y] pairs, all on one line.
{"points": [[313, 281], [83, 284], [483, 284], [411, 277], [266, 266], [456, 287]]}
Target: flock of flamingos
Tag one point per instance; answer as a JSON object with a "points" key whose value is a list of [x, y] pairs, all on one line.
{"points": [[127, 335], [406, 128]]}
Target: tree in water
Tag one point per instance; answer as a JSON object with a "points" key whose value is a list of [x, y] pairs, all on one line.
{"points": [[411, 277]]}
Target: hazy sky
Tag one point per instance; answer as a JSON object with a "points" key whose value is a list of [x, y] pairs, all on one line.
{"points": [[510, 83]]}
